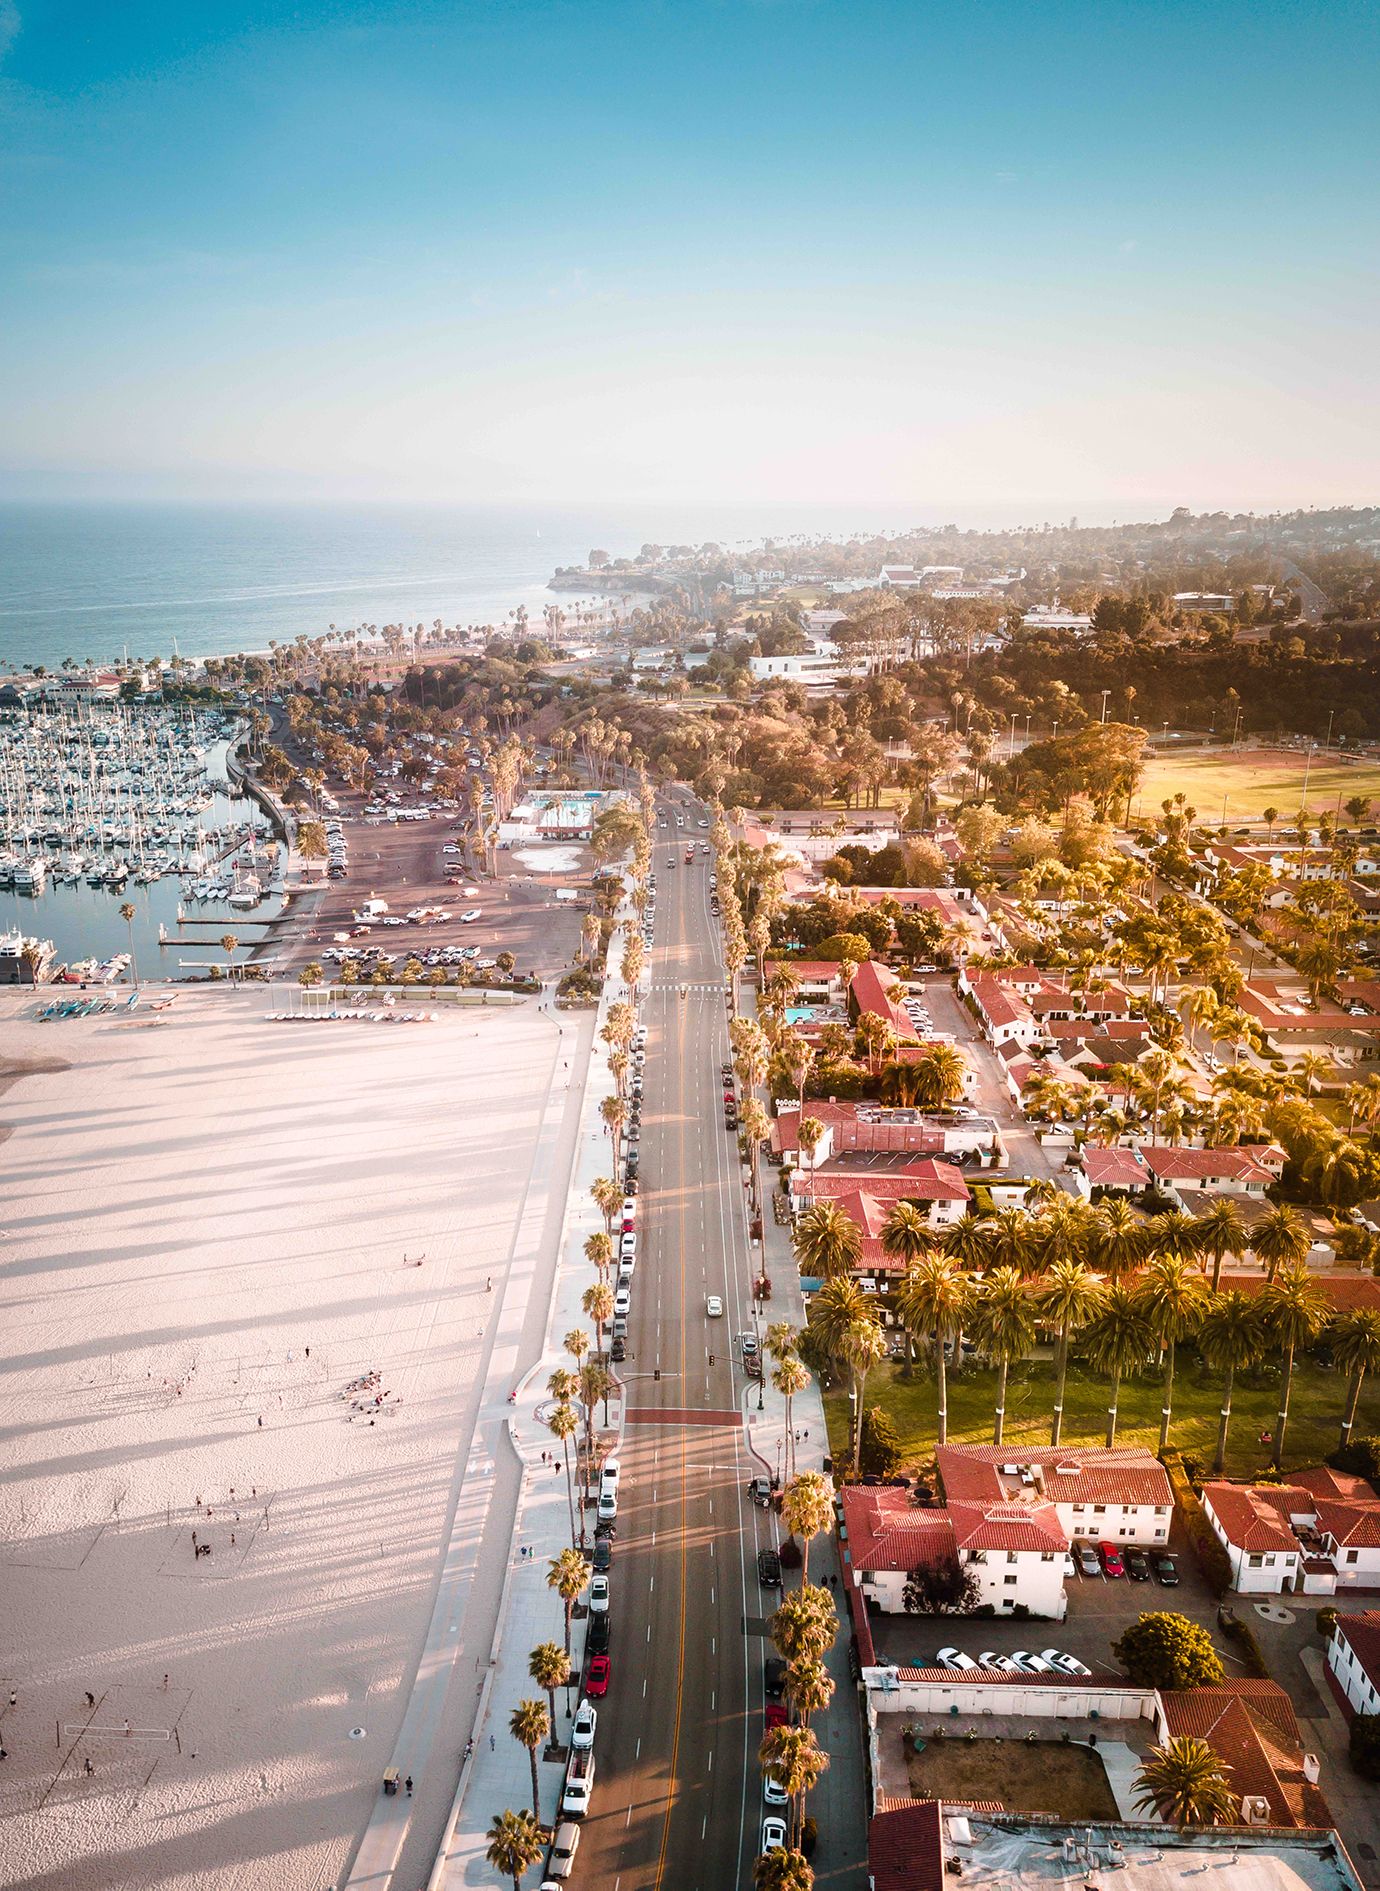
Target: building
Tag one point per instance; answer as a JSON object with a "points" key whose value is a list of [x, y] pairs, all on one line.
{"points": [[853, 1128], [1112, 1171], [1319, 1535], [1251, 1726], [1353, 1662], [1004, 1015], [1055, 617], [898, 577], [1118, 1496], [1205, 603], [867, 1198], [1015, 1551], [1241, 1169]]}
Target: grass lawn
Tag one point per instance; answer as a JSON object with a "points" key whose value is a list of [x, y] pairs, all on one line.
{"points": [[1315, 1411], [1253, 780], [1068, 1782]]}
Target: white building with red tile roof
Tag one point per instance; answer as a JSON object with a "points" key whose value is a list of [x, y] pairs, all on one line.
{"points": [[1115, 1171], [936, 1187], [1244, 1169], [1119, 1496], [1319, 1535], [1014, 1551], [876, 1128], [1353, 1662], [1005, 1016]]}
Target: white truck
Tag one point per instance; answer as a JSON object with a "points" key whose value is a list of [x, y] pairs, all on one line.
{"points": [[579, 1784]]}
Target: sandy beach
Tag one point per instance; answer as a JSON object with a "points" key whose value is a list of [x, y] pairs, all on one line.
{"points": [[209, 1224]]}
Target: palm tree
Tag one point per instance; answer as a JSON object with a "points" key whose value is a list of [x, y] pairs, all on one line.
{"points": [[809, 1689], [780, 1340], [782, 1869], [563, 1424], [968, 1240], [793, 1756], [529, 1725], [127, 911], [1011, 1241], [935, 1298], [1221, 1232], [1183, 1782], [549, 1666], [1070, 1297], [1004, 1330], [599, 1252], [1356, 1350], [229, 945], [790, 1379], [1281, 1239], [1118, 1241], [827, 1242], [905, 1237], [608, 1199], [597, 1302], [807, 1510], [805, 1625], [567, 1574], [515, 1845], [1172, 1295], [1230, 1339], [1119, 1339], [1293, 1307], [809, 1134]]}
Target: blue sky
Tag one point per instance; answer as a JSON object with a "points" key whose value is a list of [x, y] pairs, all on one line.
{"points": [[1025, 258]]}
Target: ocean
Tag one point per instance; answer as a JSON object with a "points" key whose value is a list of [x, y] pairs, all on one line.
{"points": [[97, 581]]}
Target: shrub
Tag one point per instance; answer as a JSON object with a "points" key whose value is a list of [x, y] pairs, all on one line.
{"points": [[1207, 1545], [1244, 1636], [1325, 1621], [1361, 1458], [1168, 1651], [1365, 1745], [880, 1451]]}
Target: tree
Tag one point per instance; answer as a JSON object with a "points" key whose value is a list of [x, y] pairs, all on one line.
{"points": [[808, 1689], [1070, 1298], [790, 1379], [1221, 1232], [567, 1574], [1184, 1783], [827, 1242], [1003, 1329], [608, 1199], [549, 1666], [809, 1134], [782, 1869], [807, 1510], [879, 1452], [127, 912], [844, 1319], [1355, 1351], [942, 1587], [1118, 1237], [597, 1302], [935, 1299], [310, 974], [599, 1253], [229, 945], [1230, 1338], [515, 1845], [1118, 1340], [1364, 1745], [794, 1757], [1293, 1307], [529, 1725], [1281, 1239], [563, 1424], [1172, 1295], [906, 1237], [805, 1625], [1164, 1650]]}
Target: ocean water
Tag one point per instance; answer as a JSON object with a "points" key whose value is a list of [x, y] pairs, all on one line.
{"points": [[97, 581]]}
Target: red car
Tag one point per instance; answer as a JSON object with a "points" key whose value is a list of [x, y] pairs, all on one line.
{"points": [[777, 1716], [597, 1679], [1111, 1559]]}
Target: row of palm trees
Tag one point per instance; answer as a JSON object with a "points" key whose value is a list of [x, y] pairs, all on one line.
{"points": [[1126, 1293]]}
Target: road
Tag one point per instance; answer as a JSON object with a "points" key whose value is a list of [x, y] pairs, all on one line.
{"points": [[678, 1798]]}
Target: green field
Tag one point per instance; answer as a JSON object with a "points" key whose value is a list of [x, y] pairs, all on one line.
{"points": [[1252, 780], [1315, 1411]]}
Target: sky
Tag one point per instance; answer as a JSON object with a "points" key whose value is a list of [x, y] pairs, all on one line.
{"points": [[1104, 258]]}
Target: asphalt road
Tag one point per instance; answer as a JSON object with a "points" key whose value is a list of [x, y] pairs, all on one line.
{"points": [[677, 1802]]}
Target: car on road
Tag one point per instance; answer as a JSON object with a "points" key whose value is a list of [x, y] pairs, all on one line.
{"points": [[769, 1569], [1137, 1563], [584, 1726], [468, 918], [622, 1303], [714, 1307], [602, 1555], [748, 1344], [1064, 1664], [1026, 1663], [598, 1595], [1167, 1570], [773, 1833], [608, 1506], [618, 1352], [1088, 1564], [609, 1474], [773, 1792], [597, 1640], [759, 1490], [775, 1716], [561, 1864], [774, 1677], [597, 1676], [955, 1660], [1110, 1557]]}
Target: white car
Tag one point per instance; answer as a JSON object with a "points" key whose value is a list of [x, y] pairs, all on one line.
{"points": [[622, 1304], [955, 1660], [1002, 1663], [598, 1595], [627, 1246], [468, 919], [608, 1505], [773, 1833], [609, 1475], [773, 1791], [1030, 1664], [1066, 1664], [714, 1307], [582, 1729]]}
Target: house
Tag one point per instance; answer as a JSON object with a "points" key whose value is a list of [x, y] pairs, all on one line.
{"points": [[874, 1129], [1237, 1169], [936, 1187], [898, 577], [1113, 1171], [1014, 1550], [1353, 1662], [1318, 1535], [1117, 1496], [1251, 1726], [1055, 617], [905, 1846], [1004, 1015], [818, 981], [871, 991]]}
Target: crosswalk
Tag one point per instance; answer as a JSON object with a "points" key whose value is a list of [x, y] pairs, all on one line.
{"points": [[675, 984]]}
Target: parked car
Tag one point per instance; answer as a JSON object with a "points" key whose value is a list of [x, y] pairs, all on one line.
{"points": [[1064, 1664], [609, 1475], [564, 1846], [597, 1676], [774, 1677], [769, 1569], [1110, 1556], [598, 1595], [608, 1506], [597, 1641], [775, 1716], [618, 1352], [1002, 1663], [955, 1660], [622, 1303], [759, 1490], [1026, 1663], [584, 1725], [1137, 1563], [1088, 1563], [773, 1832], [602, 1556], [1167, 1570], [773, 1792]]}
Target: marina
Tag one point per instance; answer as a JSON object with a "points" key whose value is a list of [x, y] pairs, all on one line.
{"points": [[109, 807]]}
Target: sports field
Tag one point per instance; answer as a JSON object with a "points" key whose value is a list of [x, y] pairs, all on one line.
{"points": [[1253, 779]]}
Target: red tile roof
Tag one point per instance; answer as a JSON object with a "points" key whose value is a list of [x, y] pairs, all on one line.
{"points": [[871, 991], [808, 970], [1256, 1517], [1127, 1475], [1355, 1526], [997, 1004], [1008, 1526], [1323, 1481], [1254, 1732], [1241, 1163], [1363, 1634], [905, 1847], [887, 1531], [1115, 1168]]}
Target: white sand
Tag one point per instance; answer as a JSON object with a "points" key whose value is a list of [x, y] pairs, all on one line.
{"points": [[550, 859], [195, 1204]]}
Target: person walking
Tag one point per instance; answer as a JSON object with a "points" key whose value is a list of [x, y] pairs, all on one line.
{"points": [[409, 1785]]}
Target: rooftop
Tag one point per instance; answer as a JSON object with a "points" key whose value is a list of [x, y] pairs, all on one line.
{"points": [[1129, 1474], [1363, 1633]]}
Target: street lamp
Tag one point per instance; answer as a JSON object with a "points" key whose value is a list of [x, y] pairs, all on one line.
{"points": [[1105, 694]]}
